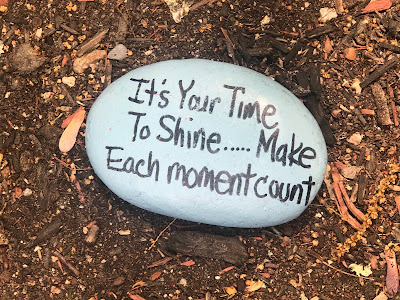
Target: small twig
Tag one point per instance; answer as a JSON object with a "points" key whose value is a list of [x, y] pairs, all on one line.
{"points": [[4, 207], [379, 72], [356, 212], [276, 231], [316, 256], [343, 208], [390, 47], [92, 42], [200, 3], [393, 105], [350, 205], [65, 262], [168, 226], [69, 29], [225, 33], [331, 192], [107, 73], [46, 233]]}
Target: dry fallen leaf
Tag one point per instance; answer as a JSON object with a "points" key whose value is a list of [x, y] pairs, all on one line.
{"points": [[68, 120], [254, 286], [188, 263], [327, 14], [350, 53], [355, 138], [17, 192], [377, 5], [392, 273], [68, 138], [138, 284], [230, 290], [328, 46], [135, 297], [155, 275], [351, 172]]}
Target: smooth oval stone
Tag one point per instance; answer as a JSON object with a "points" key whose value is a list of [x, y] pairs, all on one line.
{"points": [[208, 142]]}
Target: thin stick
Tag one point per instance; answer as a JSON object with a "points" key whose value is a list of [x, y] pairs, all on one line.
{"points": [[201, 3], [65, 262], [227, 37], [168, 226], [393, 105], [336, 269], [356, 212]]}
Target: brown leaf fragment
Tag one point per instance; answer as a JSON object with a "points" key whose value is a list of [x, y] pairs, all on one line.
{"points": [[366, 111], [188, 263], [155, 275], [82, 63], [397, 200], [328, 46], [68, 120], [160, 262], [373, 260], [377, 5], [118, 281], [396, 234], [25, 59], [254, 286], [392, 273], [226, 270], [135, 297], [350, 53], [92, 234], [351, 172], [230, 290], [265, 275], [355, 138], [339, 6]]}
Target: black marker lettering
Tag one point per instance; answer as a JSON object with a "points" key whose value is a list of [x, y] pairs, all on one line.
{"points": [[234, 95], [140, 81], [151, 92], [184, 91], [138, 115]]}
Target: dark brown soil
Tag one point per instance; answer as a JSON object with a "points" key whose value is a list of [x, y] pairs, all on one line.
{"points": [[42, 213]]}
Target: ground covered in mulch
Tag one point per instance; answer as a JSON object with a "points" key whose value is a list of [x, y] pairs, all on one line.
{"points": [[64, 235]]}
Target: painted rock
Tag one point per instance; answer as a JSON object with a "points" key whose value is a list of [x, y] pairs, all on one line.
{"points": [[208, 142]]}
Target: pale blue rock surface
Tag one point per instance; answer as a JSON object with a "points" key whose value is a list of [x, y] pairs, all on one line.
{"points": [[208, 142]]}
